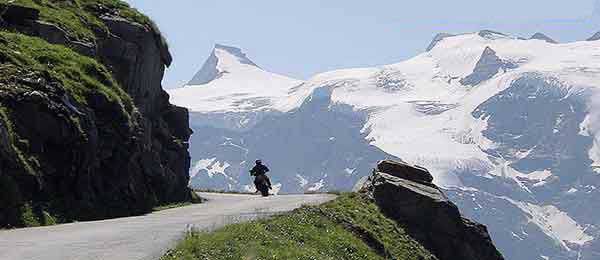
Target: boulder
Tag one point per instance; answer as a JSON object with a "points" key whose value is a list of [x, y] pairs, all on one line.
{"points": [[405, 171], [427, 214]]}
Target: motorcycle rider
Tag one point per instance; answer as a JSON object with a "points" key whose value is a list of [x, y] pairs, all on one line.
{"points": [[260, 172]]}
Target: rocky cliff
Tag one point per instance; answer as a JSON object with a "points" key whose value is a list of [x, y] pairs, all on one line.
{"points": [[86, 131], [407, 195]]}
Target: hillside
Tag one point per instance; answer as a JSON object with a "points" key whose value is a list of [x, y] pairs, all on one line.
{"points": [[86, 130], [397, 213], [308, 233], [508, 127]]}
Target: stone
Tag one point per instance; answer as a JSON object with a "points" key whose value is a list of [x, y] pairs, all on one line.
{"points": [[19, 15], [50, 32], [405, 171], [427, 214]]}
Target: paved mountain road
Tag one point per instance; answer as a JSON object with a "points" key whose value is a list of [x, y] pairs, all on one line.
{"points": [[143, 237]]}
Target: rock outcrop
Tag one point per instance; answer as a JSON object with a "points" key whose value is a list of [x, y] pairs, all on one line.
{"points": [[406, 194], [542, 37], [87, 131], [488, 65], [437, 39], [594, 37], [489, 34]]}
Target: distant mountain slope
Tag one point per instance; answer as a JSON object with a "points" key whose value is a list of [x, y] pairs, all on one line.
{"points": [[229, 81], [509, 127]]}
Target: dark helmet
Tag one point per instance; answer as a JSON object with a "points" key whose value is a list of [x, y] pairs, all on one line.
{"points": [[258, 162]]}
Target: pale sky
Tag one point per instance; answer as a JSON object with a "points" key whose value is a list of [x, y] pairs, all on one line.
{"points": [[302, 38]]}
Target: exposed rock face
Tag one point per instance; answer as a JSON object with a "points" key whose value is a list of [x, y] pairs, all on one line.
{"points": [[488, 65], [438, 38], [489, 34], [542, 37], [95, 158], [594, 37], [406, 194], [405, 171]]}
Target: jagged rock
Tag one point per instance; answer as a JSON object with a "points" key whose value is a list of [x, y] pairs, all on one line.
{"points": [[51, 33], [84, 48], [488, 65], [489, 34], [427, 214], [438, 38], [405, 171], [542, 37], [594, 37], [16, 14]]}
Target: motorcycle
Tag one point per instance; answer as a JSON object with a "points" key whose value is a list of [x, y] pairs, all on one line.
{"points": [[263, 184]]}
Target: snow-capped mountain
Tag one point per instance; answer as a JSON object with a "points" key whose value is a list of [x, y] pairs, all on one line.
{"points": [[509, 127]]}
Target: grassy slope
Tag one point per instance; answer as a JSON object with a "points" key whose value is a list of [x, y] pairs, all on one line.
{"points": [[350, 227], [79, 75], [77, 17]]}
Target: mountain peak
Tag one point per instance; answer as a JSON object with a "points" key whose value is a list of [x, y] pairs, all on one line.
{"points": [[542, 37], [223, 59], [236, 52]]}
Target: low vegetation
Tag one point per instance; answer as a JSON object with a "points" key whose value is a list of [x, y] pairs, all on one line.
{"points": [[350, 227], [79, 75], [79, 18], [195, 200]]}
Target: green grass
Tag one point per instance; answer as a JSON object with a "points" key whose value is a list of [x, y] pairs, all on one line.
{"points": [[79, 75], [364, 216], [24, 161], [79, 18], [350, 227], [32, 218], [195, 199]]}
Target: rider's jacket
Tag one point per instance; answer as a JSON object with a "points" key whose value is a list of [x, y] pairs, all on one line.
{"points": [[259, 169]]}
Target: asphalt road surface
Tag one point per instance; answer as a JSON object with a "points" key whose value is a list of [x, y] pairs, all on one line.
{"points": [[143, 237]]}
